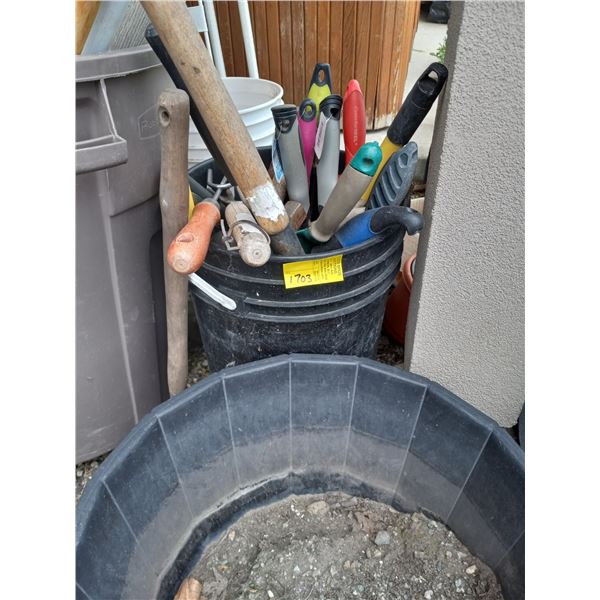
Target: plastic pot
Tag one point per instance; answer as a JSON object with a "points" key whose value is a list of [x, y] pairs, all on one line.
{"points": [[291, 425], [337, 318], [396, 309]]}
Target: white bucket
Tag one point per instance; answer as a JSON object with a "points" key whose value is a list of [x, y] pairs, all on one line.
{"points": [[253, 98]]}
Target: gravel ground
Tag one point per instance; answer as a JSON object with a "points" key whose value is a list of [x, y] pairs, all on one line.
{"points": [[388, 352], [84, 472], [337, 546]]}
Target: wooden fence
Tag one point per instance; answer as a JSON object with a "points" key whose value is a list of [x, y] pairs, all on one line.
{"points": [[367, 41]]}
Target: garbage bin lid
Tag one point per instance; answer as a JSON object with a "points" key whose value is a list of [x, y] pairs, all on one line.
{"points": [[115, 63]]}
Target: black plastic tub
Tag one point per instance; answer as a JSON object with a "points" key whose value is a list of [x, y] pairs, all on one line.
{"points": [[336, 318], [295, 424]]}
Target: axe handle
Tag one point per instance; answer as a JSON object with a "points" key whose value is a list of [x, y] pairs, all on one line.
{"points": [[173, 119]]}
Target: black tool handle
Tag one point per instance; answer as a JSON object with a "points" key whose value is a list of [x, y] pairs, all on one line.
{"points": [[417, 104], [161, 52], [394, 216], [284, 116], [198, 189], [331, 106], [307, 110], [326, 69]]}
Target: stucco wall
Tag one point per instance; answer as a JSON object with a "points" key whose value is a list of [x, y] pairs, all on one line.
{"points": [[466, 319]]}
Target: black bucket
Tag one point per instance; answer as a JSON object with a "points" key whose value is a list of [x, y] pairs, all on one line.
{"points": [[298, 424], [334, 318]]}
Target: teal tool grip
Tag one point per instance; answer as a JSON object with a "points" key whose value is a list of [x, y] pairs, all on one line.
{"points": [[347, 191], [367, 158]]}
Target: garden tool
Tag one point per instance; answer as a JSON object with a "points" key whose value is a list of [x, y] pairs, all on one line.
{"points": [[287, 243], [173, 119], [176, 29], [252, 242], [320, 86], [327, 147], [307, 122], [296, 212], [354, 120], [280, 186], [351, 184], [291, 152], [373, 222], [393, 184], [161, 52], [187, 251], [414, 108]]}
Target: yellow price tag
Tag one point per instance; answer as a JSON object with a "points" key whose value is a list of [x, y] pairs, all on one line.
{"points": [[313, 272]]}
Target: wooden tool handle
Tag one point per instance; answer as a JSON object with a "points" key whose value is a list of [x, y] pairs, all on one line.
{"points": [[173, 120], [280, 186], [188, 250], [252, 243], [85, 15], [296, 212], [176, 29], [190, 589]]}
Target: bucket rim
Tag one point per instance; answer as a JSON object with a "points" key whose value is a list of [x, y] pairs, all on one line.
{"points": [[277, 259], [257, 107]]}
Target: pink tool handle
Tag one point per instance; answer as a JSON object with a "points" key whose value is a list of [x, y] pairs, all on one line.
{"points": [[307, 123]]}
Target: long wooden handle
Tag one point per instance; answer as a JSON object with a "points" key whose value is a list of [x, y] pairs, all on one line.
{"points": [[176, 29], [188, 250], [85, 15], [173, 119], [280, 186]]}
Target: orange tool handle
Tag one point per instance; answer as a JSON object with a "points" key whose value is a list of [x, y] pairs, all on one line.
{"points": [[188, 250]]}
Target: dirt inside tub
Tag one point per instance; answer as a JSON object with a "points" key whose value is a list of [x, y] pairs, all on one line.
{"points": [[338, 547]]}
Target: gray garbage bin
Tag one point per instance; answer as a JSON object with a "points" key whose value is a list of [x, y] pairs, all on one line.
{"points": [[121, 334]]}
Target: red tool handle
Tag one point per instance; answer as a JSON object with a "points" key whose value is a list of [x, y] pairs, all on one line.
{"points": [[188, 250], [354, 119]]}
